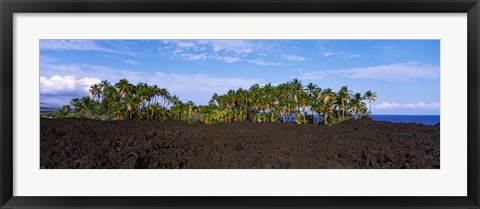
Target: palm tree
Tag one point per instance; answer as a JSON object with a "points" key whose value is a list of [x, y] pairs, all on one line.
{"points": [[110, 95], [304, 101], [117, 110], [190, 106], [270, 100], [104, 84], [296, 88], [75, 102], [86, 105], [214, 99], [343, 96], [328, 103], [124, 87], [66, 109], [177, 107], [283, 108], [95, 90], [311, 89], [356, 104], [164, 94], [143, 92], [370, 96], [131, 103], [316, 106]]}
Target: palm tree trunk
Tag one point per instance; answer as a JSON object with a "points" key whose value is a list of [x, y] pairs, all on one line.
{"points": [[370, 106]]}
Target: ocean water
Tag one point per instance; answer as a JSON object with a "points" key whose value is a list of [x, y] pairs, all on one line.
{"points": [[424, 119]]}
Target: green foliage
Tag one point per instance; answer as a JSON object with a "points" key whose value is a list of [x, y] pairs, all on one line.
{"points": [[62, 113], [268, 103]]}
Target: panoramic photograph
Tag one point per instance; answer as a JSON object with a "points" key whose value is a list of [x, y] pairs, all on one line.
{"points": [[239, 104]]}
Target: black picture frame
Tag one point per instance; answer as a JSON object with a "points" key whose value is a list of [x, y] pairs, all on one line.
{"points": [[9, 7]]}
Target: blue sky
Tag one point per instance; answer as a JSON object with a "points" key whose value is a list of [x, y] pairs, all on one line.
{"points": [[405, 74]]}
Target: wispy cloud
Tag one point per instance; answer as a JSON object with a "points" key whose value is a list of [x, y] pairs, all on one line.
{"points": [[47, 60], [264, 63], [355, 55], [343, 54], [71, 45], [418, 105], [229, 59], [327, 54], [294, 58], [185, 44], [237, 46], [130, 62], [79, 45], [188, 56], [228, 51], [393, 72]]}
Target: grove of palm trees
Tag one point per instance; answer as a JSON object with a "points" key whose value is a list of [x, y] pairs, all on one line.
{"points": [[289, 125], [286, 102]]}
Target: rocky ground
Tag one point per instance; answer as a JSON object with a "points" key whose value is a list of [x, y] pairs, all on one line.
{"points": [[83, 143]]}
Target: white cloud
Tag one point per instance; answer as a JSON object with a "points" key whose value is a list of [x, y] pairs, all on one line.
{"points": [[67, 45], [72, 45], [217, 47], [327, 54], [205, 56], [263, 63], [343, 54], [237, 46], [86, 82], [79, 45], [418, 105], [185, 44], [194, 56], [355, 55], [231, 59], [130, 62], [393, 72], [66, 84], [178, 50], [294, 58]]}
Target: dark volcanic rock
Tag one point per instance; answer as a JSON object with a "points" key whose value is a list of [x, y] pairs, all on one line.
{"points": [[83, 143]]}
